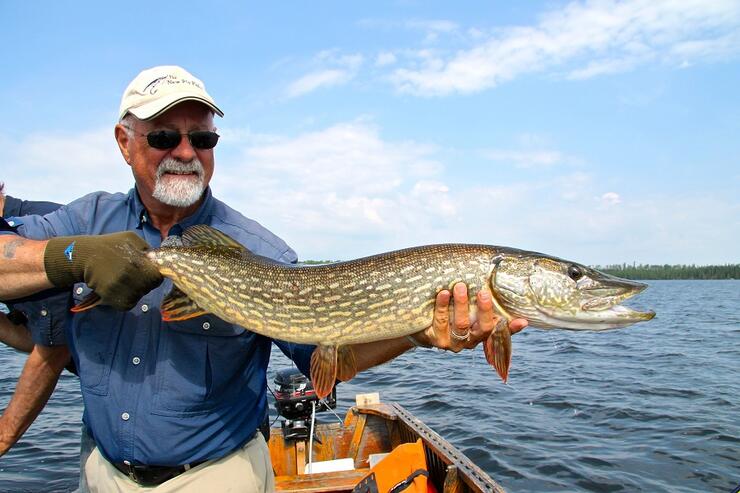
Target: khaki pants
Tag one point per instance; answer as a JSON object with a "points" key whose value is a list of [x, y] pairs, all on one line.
{"points": [[246, 470]]}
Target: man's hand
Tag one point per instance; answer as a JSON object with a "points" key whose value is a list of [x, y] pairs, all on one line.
{"points": [[459, 333], [113, 265]]}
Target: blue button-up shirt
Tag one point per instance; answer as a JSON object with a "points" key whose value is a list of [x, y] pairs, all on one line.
{"points": [[18, 207], [161, 393], [39, 309]]}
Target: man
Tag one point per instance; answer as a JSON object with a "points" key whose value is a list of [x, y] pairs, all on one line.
{"points": [[13, 321], [171, 405], [29, 328]]}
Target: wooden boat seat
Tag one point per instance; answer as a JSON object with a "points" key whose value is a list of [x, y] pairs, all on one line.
{"points": [[323, 482]]}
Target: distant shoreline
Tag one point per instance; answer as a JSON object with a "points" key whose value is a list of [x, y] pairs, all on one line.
{"points": [[681, 272], [645, 271]]}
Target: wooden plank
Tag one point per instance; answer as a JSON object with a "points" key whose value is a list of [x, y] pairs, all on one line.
{"points": [[341, 481], [354, 446], [300, 456], [385, 411], [281, 455], [453, 483], [351, 417]]}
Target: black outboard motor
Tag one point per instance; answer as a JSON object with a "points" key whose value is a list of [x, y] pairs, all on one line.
{"points": [[294, 395]]}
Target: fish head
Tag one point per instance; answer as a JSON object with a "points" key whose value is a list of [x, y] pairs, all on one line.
{"points": [[551, 292]]}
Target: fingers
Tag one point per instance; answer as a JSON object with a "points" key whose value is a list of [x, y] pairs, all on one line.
{"points": [[487, 318], [517, 324], [438, 335], [462, 334], [452, 330], [441, 314], [461, 309]]}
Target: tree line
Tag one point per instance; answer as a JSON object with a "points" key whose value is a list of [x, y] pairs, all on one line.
{"points": [[645, 271]]}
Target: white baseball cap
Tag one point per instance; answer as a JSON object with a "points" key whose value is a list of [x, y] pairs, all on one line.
{"points": [[158, 89]]}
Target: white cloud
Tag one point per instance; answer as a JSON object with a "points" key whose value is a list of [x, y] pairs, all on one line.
{"points": [[341, 181], [385, 58], [432, 28], [336, 69], [344, 191], [435, 25], [60, 167], [611, 198], [526, 159], [315, 80], [582, 40]]}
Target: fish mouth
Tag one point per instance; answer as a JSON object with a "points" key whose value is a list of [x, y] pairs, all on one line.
{"points": [[614, 317], [604, 291], [600, 307]]}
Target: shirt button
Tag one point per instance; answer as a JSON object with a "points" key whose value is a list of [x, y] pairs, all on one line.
{"points": [[125, 416], [136, 360], [79, 290], [206, 325], [127, 462], [44, 313], [144, 308]]}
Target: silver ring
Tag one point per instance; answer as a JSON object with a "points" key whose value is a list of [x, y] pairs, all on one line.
{"points": [[465, 337]]}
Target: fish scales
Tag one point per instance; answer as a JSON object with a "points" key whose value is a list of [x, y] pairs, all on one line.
{"points": [[286, 291]]}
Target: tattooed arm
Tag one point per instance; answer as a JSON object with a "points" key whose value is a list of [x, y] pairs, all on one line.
{"points": [[21, 267]]}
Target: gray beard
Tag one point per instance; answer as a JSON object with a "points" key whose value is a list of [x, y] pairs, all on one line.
{"points": [[178, 191]]}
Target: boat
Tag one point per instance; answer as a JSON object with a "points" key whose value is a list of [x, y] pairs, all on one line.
{"points": [[339, 456]]}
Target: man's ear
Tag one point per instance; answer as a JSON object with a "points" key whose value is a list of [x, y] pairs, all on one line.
{"points": [[123, 140]]}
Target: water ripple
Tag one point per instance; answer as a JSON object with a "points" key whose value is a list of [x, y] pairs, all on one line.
{"points": [[649, 408]]}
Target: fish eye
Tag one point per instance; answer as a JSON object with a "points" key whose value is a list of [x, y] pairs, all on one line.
{"points": [[574, 272]]}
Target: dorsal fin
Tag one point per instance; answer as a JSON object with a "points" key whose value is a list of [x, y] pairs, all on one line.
{"points": [[204, 235]]}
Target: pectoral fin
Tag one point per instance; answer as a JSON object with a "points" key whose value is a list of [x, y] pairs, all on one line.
{"points": [[90, 301], [497, 349], [324, 369], [178, 306]]}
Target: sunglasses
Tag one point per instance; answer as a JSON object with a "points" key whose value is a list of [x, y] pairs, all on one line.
{"points": [[169, 139]]}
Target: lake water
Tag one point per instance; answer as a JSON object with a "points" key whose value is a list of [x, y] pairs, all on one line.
{"points": [[655, 407]]}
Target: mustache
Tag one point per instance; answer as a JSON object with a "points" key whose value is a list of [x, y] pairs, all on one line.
{"points": [[172, 165]]}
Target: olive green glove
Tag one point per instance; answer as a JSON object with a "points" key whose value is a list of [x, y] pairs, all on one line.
{"points": [[113, 265]]}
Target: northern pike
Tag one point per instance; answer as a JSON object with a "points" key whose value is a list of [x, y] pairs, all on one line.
{"points": [[382, 296]]}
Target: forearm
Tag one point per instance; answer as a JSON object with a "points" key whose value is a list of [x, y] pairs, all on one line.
{"points": [[21, 267], [35, 385], [376, 353], [16, 336]]}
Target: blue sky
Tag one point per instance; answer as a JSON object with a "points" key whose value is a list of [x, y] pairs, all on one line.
{"points": [[603, 132]]}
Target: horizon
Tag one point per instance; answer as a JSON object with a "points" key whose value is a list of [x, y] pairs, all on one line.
{"points": [[600, 132]]}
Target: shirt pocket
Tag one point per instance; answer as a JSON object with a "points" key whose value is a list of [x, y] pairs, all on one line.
{"points": [[95, 335], [198, 362]]}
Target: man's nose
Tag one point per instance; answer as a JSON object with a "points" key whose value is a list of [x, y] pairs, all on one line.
{"points": [[184, 150]]}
